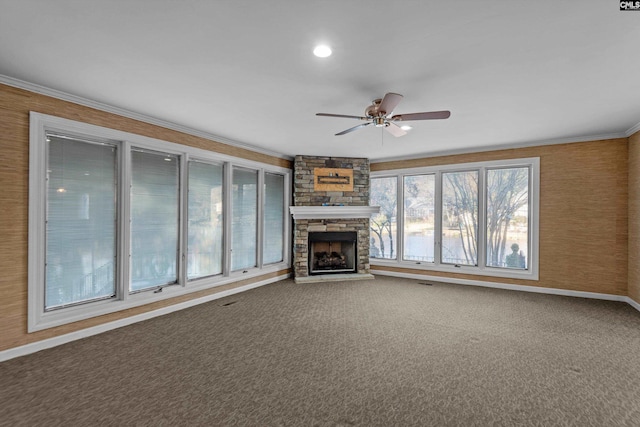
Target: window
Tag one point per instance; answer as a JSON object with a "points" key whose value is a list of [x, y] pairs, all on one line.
{"points": [[460, 218], [118, 220], [508, 217], [80, 221], [419, 218], [154, 219], [244, 221], [205, 216], [384, 193], [478, 218], [274, 214]]}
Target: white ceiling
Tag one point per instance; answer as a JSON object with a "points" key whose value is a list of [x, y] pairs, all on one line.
{"points": [[512, 73]]}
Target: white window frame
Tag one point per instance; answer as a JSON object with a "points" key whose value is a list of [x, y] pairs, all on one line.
{"points": [[262, 218], [185, 211], [259, 218], [532, 271], [40, 124]]}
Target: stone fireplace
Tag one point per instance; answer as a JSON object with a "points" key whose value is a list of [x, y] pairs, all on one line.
{"points": [[331, 213]]}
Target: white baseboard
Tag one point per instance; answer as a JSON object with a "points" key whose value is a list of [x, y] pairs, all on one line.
{"points": [[95, 330], [633, 303], [512, 287]]}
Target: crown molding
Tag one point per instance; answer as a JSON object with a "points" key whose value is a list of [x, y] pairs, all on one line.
{"points": [[64, 96], [558, 141], [633, 129]]}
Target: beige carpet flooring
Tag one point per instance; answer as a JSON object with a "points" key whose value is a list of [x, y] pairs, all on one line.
{"points": [[384, 352]]}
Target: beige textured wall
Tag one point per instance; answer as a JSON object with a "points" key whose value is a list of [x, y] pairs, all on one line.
{"points": [[583, 213], [634, 217], [15, 105]]}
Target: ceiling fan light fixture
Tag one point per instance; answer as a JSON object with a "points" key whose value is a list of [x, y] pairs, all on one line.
{"points": [[322, 51], [380, 122], [406, 127]]}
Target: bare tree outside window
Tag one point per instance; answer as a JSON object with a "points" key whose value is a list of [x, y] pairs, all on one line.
{"points": [[460, 218], [507, 217], [383, 225]]}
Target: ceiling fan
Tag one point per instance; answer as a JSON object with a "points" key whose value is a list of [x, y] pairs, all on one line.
{"points": [[379, 114]]}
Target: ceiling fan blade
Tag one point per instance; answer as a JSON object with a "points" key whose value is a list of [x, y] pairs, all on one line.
{"points": [[353, 128], [389, 103], [395, 130], [431, 115], [341, 115]]}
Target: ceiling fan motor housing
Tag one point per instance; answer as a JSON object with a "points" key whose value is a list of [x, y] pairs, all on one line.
{"points": [[372, 110]]}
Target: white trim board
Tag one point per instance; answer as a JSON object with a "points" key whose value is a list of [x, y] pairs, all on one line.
{"points": [[633, 129], [632, 303], [95, 330], [506, 146], [511, 287]]}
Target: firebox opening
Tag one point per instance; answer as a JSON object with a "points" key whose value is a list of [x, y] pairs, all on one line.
{"points": [[332, 252]]}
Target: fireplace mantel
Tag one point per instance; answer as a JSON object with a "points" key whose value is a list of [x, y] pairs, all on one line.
{"points": [[332, 212]]}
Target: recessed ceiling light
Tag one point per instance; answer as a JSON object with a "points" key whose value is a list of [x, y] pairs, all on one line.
{"points": [[406, 127], [322, 51]]}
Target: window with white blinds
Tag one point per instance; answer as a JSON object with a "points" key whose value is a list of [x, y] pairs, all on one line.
{"points": [[80, 221], [154, 219], [274, 215], [244, 221], [205, 216], [118, 220]]}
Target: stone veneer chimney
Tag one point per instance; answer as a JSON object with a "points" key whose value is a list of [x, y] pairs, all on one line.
{"points": [[306, 194]]}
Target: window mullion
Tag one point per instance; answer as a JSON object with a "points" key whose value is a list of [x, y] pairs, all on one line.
{"points": [[400, 219], [227, 213], [534, 216], [183, 220], [124, 237], [260, 219], [437, 228], [482, 219]]}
